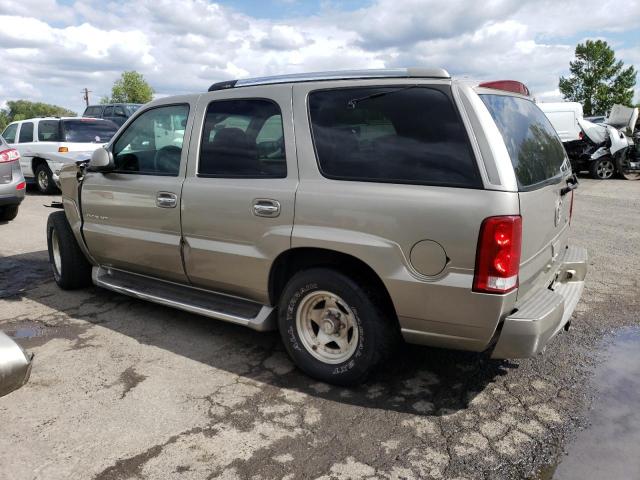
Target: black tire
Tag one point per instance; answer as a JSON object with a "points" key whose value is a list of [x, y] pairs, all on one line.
{"points": [[73, 270], [602, 168], [377, 333], [44, 179], [8, 213], [623, 170]]}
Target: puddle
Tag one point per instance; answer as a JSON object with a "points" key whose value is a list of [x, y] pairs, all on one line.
{"points": [[26, 332], [610, 446], [29, 334]]}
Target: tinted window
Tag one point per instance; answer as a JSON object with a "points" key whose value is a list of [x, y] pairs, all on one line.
{"points": [[243, 138], [119, 111], [92, 112], [108, 112], [9, 133], [49, 131], [536, 152], [152, 144], [391, 134], [87, 130], [26, 132]]}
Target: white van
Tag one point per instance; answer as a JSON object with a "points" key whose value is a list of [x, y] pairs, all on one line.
{"points": [[564, 117]]}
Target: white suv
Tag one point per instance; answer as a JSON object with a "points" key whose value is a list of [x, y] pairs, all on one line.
{"points": [[38, 138]]}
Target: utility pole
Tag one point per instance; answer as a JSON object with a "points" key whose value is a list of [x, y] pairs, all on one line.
{"points": [[85, 95]]}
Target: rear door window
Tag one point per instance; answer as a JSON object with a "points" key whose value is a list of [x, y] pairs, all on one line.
{"points": [[26, 132], [243, 139], [9, 133], [403, 134], [49, 131], [536, 152]]}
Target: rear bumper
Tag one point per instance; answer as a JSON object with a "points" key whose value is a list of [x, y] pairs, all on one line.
{"points": [[528, 330], [14, 198]]}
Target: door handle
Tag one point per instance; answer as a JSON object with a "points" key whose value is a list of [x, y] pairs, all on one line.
{"points": [[265, 207], [166, 200]]}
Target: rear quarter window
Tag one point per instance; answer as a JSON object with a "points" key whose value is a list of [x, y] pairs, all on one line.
{"points": [[400, 134], [536, 153]]}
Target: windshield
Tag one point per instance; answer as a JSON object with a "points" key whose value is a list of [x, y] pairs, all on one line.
{"points": [[536, 152], [88, 131]]}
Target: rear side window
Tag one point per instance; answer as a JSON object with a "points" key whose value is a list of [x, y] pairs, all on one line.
{"points": [[108, 112], [86, 130], [243, 139], [92, 112], [9, 133], [536, 152], [392, 134], [26, 132], [49, 131]]}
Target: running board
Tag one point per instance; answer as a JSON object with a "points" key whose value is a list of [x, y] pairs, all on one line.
{"points": [[194, 300]]}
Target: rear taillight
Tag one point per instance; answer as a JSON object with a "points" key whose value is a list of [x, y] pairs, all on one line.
{"points": [[21, 186], [9, 155], [498, 255], [581, 135]]}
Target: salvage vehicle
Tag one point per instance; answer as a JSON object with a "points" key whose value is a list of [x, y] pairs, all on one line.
{"points": [[12, 183], [15, 365], [347, 210], [37, 137]]}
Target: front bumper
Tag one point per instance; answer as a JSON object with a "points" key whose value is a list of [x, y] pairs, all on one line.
{"points": [[528, 330]]}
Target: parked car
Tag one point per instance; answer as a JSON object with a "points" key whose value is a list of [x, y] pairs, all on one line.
{"points": [[118, 113], [345, 209], [15, 365], [37, 137], [564, 117], [12, 184]]}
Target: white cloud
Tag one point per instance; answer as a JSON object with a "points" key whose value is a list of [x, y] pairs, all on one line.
{"points": [[50, 51]]}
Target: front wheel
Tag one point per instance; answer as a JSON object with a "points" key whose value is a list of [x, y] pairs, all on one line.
{"points": [[70, 267], [333, 328], [602, 168]]}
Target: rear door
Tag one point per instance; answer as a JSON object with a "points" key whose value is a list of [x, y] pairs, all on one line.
{"points": [[238, 197], [541, 168], [132, 215]]}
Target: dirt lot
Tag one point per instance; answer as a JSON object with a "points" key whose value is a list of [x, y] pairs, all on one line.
{"points": [[126, 389]]}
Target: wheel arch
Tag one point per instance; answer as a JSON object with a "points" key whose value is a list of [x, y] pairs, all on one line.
{"points": [[35, 161], [296, 259]]}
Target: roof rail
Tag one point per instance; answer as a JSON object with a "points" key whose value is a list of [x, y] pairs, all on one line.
{"points": [[412, 72]]}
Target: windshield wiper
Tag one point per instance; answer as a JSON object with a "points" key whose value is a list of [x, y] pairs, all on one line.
{"points": [[355, 101]]}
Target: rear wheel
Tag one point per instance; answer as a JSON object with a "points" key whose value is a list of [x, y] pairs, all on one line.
{"points": [[8, 213], [44, 179], [332, 327], [70, 267], [624, 169], [602, 169]]}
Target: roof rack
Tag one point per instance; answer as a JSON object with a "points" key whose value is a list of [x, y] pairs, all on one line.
{"points": [[412, 72]]}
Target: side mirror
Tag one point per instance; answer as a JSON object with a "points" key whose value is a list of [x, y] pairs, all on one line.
{"points": [[101, 161]]}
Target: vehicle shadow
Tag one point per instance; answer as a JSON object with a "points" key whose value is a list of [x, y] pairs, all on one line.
{"points": [[418, 380]]}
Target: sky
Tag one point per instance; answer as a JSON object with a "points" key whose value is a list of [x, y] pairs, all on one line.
{"points": [[52, 49]]}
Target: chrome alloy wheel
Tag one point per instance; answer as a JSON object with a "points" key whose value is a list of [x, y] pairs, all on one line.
{"points": [[327, 327], [55, 250], [605, 169], [43, 180]]}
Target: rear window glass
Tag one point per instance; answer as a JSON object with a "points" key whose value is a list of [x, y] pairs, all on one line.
{"points": [[49, 130], [536, 152], [391, 134], [92, 112], [88, 131]]}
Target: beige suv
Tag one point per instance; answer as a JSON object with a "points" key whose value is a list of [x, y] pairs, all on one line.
{"points": [[347, 210]]}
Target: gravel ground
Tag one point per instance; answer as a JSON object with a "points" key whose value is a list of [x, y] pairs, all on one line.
{"points": [[125, 389]]}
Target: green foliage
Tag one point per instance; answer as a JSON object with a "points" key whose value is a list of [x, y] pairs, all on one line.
{"points": [[131, 87], [597, 80], [24, 109]]}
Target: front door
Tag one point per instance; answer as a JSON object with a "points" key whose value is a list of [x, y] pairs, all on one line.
{"points": [[132, 215], [238, 197]]}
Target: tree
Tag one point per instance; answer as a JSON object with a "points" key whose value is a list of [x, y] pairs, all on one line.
{"points": [[597, 80], [131, 87], [24, 109]]}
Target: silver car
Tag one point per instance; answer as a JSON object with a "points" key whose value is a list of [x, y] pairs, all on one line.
{"points": [[12, 183], [348, 210]]}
